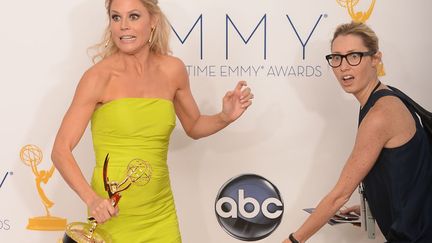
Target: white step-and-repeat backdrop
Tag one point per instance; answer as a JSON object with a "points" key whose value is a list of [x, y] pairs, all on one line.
{"points": [[296, 135]]}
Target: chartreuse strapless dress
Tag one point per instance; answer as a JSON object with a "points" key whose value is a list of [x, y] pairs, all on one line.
{"points": [[128, 129]]}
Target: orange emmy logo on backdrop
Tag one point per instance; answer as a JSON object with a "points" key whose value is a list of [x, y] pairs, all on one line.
{"points": [[31, 156], [357, 16]]}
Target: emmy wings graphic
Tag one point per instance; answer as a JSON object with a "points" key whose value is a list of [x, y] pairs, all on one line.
{"points": [[357, 16], [31, 156], [361, 17]]}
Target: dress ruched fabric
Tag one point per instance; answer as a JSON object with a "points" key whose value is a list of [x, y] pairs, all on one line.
{"points": [[137, 128]]}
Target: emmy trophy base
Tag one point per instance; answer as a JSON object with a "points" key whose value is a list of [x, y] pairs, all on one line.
{"points": [[48, 223], [79, 232]]}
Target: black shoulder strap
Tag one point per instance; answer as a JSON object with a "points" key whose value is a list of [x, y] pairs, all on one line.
{"points": [[425, 115]]}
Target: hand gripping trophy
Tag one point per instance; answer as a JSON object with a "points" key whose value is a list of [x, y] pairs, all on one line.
{"points": [[31, 156], [138, 172]]}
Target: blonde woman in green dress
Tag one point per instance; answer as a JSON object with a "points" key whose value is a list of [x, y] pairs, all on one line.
{"points": [[132, 96]]}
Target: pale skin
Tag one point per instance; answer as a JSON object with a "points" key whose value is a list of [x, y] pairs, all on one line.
{"points": [[134, 71], [388, 124]]}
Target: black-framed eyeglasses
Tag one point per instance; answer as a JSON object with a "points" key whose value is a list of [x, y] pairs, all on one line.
{"points": [[352, 58]]}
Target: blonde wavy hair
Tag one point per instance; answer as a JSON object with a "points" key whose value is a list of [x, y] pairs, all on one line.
{"points": [[158, 45]]}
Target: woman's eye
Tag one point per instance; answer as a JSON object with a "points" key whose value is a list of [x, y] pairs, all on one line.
{"points": [[134, 16], [115, 18], [355, 55]]}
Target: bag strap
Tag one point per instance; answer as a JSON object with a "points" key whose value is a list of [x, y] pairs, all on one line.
{"points": [[425, 115]]}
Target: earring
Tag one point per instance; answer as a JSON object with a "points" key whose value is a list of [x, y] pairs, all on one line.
{"points": [[380, 70], [151, 34], [108, 41]]}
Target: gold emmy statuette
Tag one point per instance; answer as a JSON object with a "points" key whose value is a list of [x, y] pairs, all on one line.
{"points": [[138, 173], [31, 156], [79, 232], [357, 16]]}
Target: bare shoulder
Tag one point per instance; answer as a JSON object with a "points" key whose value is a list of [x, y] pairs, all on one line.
{"points": [[389, 108], [390, 118], [94, 75], [94, 80], [174, 62], [384, 111], [171, 65], [174, 71]]}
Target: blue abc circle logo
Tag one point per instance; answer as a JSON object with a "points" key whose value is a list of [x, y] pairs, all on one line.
{"points": [[249, 207]]}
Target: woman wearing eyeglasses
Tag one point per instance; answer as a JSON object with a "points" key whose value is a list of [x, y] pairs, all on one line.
{"points": [[391, 155]]}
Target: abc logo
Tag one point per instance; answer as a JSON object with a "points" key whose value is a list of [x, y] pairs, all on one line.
{"points": [[249, 207]]}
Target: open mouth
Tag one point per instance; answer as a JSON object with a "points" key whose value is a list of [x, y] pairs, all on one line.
{"points": [[127, 37], [347, 77]]}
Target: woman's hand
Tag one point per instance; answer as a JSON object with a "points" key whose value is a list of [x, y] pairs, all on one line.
{"points": [[102, 209], [236, 101], [354, 209]]}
